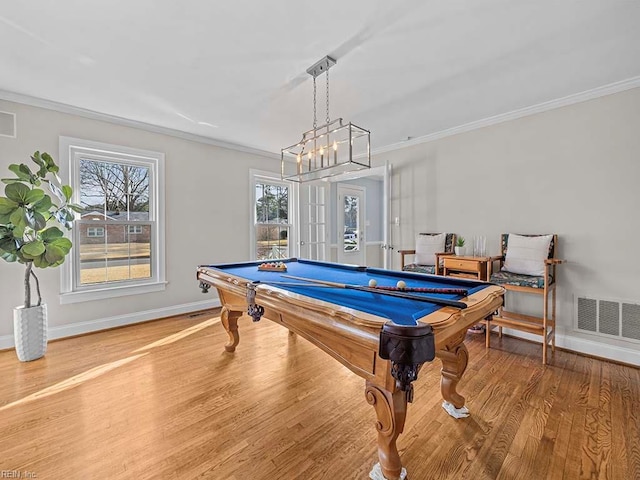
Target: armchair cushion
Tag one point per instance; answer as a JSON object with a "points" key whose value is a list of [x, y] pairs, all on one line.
{"points": [[507, 278], [427, 246], [414, 267], [526, 254]]}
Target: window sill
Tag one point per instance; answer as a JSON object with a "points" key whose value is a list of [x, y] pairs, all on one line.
{"points": [[110, 292]]}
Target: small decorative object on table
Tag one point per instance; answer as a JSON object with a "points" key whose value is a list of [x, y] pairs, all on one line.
{"points": [[273, 267], [459, 248]]}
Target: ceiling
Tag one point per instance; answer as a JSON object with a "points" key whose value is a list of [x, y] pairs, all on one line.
{"points": [[236, 71]]}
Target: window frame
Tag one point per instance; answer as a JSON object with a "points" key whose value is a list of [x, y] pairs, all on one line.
{"points": [[72, 150], [271, 178], [95, 230]]}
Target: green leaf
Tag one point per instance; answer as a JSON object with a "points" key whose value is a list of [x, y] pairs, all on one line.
{"points": [[17, 192], [54, 254], [22, 171], [43, 205], [18, 231], [39, 221], [11, 180], [18, 217], [36, 158], [62, 243], [33, 249], [75, 208], [68, 191], [40, 262], [8, 244], [34, 196], [9, 257], [49, 162], [7, 206], [5, 218], [51, 234]]}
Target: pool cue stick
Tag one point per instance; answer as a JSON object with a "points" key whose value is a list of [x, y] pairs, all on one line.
{"points": [[444, 291], [391, 293], [292, 284]]}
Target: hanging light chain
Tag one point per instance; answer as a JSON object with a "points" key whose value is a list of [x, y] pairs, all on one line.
{"points": [[327, 74], [315, 119]]}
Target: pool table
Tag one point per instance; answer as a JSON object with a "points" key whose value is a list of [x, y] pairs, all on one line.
{"points": [[384, 336]]}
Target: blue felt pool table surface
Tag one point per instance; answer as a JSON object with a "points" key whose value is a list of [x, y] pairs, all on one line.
{"points": [[402, 311]]}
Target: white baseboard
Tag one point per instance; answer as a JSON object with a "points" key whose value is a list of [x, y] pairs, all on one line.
{"points": [[6, 341], [615, 353], [579, 345]]}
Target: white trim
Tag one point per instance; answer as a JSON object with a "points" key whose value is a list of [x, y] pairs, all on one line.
{"points": [[103, 117], [598, 92], [587, 347], [71, 291], [80, 328], [15, 126], [275, 179], [110, 292]]}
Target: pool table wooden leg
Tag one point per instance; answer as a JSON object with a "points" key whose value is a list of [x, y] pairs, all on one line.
{"points": [[391, 411], [229, 319], [455, 358]]}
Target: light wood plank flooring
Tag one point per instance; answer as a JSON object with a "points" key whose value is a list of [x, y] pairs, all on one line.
{"points": [[162, 400]]}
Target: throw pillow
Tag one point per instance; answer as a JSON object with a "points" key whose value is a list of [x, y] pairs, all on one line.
{"points": [[427, 246], [526, 255]]}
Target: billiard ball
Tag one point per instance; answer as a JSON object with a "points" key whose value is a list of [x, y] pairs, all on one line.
{"points": [[372, 282], [401, 284]]}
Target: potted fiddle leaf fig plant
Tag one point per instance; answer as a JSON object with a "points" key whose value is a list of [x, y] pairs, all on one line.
{"points": [[29, 234]]}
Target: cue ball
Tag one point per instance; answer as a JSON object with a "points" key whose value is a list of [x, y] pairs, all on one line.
{"points": [[401, 284], [372, 282]]}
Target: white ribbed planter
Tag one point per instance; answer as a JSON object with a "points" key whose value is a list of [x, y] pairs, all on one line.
{"points": [[30, 332]]}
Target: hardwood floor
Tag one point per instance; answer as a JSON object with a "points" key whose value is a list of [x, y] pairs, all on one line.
{"points": [[162, 400]]}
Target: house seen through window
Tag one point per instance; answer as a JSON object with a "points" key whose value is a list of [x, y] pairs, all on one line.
{"points": [[114, 196]]}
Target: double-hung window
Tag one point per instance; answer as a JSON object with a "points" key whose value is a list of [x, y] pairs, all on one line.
{"points": [[118, 239], [272, 216]]}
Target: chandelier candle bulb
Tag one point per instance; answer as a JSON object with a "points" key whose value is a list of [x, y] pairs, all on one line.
{"points": [[321, 156], [335, 152]]}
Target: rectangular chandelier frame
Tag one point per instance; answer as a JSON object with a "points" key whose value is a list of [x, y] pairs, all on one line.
{"points": [[328, 150]]}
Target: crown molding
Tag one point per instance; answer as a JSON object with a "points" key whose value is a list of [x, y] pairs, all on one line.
{"points": [[486, 122], [523, 112], [82, 112]]}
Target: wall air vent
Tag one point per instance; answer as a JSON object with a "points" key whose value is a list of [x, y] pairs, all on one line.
{"points": [[607, 317], [7, 124]]}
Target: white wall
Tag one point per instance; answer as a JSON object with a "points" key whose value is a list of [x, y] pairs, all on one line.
{"points": [[574, 171], [207, 218]]}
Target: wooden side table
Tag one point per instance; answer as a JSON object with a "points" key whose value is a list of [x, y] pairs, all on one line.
{"points": [[467, 266], [470, 267]]}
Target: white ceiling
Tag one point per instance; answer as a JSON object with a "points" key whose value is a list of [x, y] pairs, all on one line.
{"points": [[235, 71]]}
